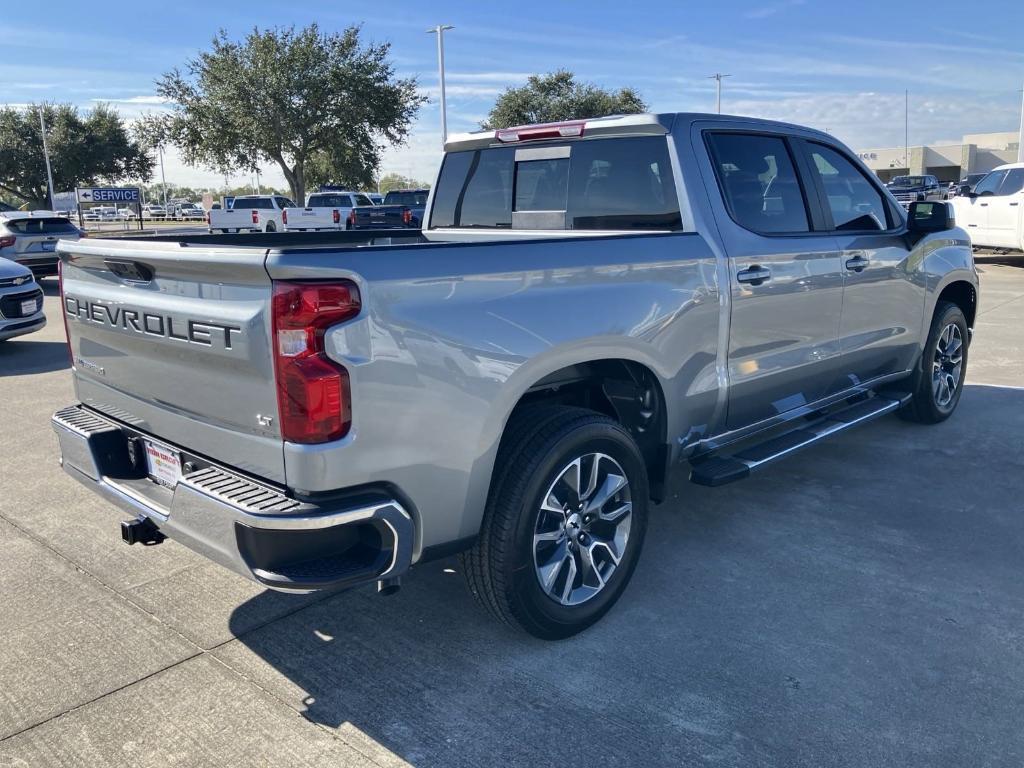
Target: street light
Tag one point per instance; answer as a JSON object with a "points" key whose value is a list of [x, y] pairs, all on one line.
{"points": [[46, 156], [717, 77], [439, 30], [163, 179]]}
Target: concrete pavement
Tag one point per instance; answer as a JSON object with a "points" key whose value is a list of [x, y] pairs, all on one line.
{"points": [[856, 605]]}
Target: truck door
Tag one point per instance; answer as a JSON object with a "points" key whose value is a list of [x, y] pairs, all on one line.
{"points": [[980, 203], [786, 278], [879, 332], [1004, 210]]}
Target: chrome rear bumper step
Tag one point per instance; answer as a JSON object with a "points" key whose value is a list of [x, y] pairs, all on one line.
{"points": [[720, 470]]}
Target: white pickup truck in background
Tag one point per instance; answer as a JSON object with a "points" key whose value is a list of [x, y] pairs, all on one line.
{"points": [[992, 211], [323, 211], [250, 213]]}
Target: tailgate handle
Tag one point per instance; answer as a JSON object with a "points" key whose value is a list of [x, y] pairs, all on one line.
{"points": [[130, 270]]}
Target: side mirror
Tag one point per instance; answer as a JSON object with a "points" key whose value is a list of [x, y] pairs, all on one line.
{"points": [[964, 189], [930, 217]]}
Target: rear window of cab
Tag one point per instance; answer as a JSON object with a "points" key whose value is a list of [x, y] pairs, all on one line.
{"points": [[591, 184]]}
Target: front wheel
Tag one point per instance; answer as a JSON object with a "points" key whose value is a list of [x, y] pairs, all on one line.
{"points": [[564, 523], [940, 376]]}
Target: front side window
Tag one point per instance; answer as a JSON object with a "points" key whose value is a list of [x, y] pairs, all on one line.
{"points": [[599, 184], [759, 182], [990, 184], [362, 200], [853, 200]]}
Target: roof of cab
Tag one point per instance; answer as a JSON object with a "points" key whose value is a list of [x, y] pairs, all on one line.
{"points": [[639, 124]]}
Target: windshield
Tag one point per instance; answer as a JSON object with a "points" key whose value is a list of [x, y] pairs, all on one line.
{"points": [[908, 181]]}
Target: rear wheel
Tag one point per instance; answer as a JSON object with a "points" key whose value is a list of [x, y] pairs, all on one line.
{"points": [[943, 365], [271, 227], [564, 523]]}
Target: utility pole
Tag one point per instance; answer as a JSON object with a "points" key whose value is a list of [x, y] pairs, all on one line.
{"points": [[46, 156], [258, 192], [717, 77], [439, 30]]}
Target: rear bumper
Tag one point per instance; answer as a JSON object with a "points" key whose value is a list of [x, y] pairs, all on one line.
{"points": [[252, 528]]}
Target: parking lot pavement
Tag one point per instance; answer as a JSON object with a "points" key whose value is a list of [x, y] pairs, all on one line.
{"points": [[856, 605]]}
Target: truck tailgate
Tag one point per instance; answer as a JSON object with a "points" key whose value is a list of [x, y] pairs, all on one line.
{"points": [[175, 341]]}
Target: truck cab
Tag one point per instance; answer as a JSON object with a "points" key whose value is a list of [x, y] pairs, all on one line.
{"points": [[992, 211]]}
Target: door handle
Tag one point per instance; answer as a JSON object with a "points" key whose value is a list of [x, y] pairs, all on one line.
{"points": [[1013, 204], [857, 263], [754, 275], [983, 205]]}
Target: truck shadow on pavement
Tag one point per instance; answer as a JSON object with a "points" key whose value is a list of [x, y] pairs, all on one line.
{"points": [[24, 355], [854, 605]]}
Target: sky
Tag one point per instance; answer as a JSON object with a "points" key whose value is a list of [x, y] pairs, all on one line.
{"points": [[841, 67]]}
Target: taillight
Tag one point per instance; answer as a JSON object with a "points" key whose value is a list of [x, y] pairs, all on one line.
{"points": [[7, 242], [255, 217], [207, 218], [407, 217], [313, 396], [64, 309], [567, 130], [284, 216], [336, 216], [352, 218]]}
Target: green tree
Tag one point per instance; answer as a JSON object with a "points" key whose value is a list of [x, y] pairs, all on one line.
{"points": [[557, 96], [390, 181], [321, 106], [89, 149]]}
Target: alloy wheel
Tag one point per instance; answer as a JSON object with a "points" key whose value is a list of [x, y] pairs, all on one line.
{"points": [[582, 528]]}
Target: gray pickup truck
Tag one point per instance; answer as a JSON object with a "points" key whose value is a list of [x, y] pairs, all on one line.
{"points": [[589, 307]]}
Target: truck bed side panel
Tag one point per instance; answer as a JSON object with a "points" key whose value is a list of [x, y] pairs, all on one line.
{"points": [[452, 335]]}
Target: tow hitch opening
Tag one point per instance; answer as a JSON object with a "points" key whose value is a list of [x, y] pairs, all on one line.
{"points": [[141, 531]]}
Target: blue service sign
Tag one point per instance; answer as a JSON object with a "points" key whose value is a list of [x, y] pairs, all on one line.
{"points": [[108, 195]]}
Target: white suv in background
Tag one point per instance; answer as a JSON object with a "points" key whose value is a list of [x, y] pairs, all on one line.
{"points": [[30, 238], [993, 212]]}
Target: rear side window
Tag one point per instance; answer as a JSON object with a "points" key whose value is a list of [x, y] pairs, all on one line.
{"points": [[284, 202], [615, 183], [759, 182], [855, 203], [1013, 182], [54, 225]]}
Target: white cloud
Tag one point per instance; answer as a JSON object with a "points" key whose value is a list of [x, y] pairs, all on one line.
{"points": [[770, 10], [153, 99]]}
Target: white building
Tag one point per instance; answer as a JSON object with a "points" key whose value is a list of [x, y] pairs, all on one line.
{"points": [[976, 153]]}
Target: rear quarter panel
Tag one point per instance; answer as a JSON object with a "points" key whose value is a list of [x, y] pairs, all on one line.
{"points": [[452, 335]]}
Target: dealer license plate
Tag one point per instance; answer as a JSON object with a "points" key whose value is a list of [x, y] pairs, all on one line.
{"points": [[164, 464], [28, 307]]}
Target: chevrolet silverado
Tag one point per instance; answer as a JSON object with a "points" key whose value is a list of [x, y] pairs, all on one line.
{"points": [[589, 306]]}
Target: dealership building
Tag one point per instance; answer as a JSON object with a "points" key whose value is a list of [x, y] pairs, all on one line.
{"points": [[976, 153]]}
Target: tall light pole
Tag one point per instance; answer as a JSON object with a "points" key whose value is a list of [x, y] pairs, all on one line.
{"points": [[439, 30], [1020, 136], [46, 156], [906, 127], [163, 179], [717, 77]]}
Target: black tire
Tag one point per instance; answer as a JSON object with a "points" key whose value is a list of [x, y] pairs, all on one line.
{"points": [[271, 227], [539, 444], [929, 405]]}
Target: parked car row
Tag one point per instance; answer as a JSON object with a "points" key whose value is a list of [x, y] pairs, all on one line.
{"points": [[331, 210]]}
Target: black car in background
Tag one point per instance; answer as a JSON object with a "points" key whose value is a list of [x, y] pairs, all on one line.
{"points": [[402, 208], [917, 189]]}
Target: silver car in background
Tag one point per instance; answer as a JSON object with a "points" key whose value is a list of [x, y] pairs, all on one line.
{"points": [[30, 238], [21, 301]]}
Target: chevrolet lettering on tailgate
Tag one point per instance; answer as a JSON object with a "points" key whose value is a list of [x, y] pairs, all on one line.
{"points": [[180, 329]]}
